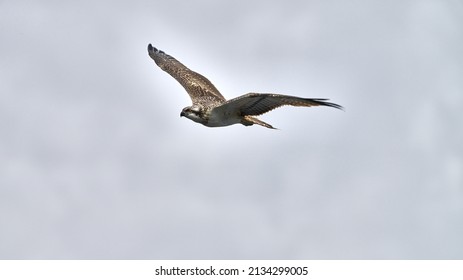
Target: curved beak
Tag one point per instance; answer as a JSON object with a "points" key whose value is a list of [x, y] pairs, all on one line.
{"points": [[182, 114]]}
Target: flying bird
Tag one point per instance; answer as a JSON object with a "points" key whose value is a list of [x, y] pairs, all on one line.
{"points": [[211, 109]]}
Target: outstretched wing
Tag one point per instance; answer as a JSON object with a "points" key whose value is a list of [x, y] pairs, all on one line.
{"points": [[200, 89], [254, 104]]}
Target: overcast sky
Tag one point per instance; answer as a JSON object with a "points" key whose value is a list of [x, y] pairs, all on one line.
{"points": [[95, 161]]}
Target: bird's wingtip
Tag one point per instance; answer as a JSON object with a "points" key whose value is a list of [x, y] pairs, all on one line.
{"points": [[325, 102], [152, 49], [337, 106]]}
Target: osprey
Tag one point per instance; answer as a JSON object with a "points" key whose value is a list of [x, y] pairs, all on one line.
{"points": [[211, 109]]}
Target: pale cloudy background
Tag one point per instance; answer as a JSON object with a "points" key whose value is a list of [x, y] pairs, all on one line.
{"points": [[95, 161]]}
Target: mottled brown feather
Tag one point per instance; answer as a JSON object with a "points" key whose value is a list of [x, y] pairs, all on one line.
{"points": [[200, 89], [254, 104]]}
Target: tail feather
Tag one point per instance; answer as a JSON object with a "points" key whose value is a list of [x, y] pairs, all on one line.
{"points": [[248, 120]]}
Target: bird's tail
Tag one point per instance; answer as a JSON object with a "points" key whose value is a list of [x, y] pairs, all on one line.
{"points": [[248, 120]]}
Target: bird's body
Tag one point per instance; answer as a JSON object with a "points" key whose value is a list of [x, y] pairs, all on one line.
{"points": [[211, 109]]}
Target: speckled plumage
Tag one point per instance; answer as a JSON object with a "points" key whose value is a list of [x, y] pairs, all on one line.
{"points": [[211, 109]]}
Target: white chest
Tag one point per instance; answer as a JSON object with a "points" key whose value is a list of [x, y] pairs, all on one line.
{"points": [[222, 119]]}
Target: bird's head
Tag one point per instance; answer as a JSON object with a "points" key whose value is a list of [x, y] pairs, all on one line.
{"points": [[194, 113]]}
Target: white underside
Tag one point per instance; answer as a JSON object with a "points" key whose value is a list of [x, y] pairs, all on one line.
{"points": [[219, 119], [216, 121]]}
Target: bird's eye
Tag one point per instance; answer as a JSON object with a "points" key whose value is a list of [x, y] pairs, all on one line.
{"points": [[195, 109]]}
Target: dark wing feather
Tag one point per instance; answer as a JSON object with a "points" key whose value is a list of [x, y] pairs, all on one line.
{"points": [[254, 104], [200, 89]]}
